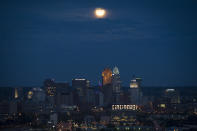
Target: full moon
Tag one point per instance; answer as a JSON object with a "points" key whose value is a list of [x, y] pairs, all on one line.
{"points": [[100, 13]]}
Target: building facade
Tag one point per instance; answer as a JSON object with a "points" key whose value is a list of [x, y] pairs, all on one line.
{"points": [[106, 76]]}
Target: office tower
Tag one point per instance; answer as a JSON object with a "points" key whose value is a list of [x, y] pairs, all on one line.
{"points": [[101, 99], [107, 76], [90, 97], [135, 92], [172, 96], [116, 83], [108, 95], [37, 95], [107, 87], [50, 87], [64, 94], [81, 86]]}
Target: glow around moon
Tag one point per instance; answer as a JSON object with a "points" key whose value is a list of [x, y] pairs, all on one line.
{"points": [[100, 13]]}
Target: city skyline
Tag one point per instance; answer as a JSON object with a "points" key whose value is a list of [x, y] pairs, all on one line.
{"points": [[63, 40], [98, 65]]}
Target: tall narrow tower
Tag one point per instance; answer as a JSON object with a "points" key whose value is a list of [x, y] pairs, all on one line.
{"points": [[135, 91], [116, 83], [15, 93]]}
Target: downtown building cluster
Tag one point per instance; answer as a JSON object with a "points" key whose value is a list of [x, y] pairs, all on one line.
{"points": [[109, 105], [83, 95]]}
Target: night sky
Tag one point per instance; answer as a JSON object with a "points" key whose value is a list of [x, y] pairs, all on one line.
{"points": [[155, 40]]}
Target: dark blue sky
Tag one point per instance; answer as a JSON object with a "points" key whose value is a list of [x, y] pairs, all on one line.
{"points": [[155, 40]]}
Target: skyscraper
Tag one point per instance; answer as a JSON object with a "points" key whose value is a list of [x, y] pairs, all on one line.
{"points": [[116, 83], [107, 76], [81, 86], [63, 94], [50, 87], [134, 83], [37, 95], [172, 96], [135, 91], [55, 90]]}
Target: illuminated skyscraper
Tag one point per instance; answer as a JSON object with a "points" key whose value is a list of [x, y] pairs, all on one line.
{"points": [[135, 91], [116, 83], [107, 76], [50, 87], [172, 96], [134, 84], [57, 92]]}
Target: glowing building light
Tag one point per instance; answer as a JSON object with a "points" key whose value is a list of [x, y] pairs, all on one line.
{"points": [[107, 76], [163, 106], [133, 85], [124, 107], [15, 93], [79, 79], [170, 90], [30, 95]]}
